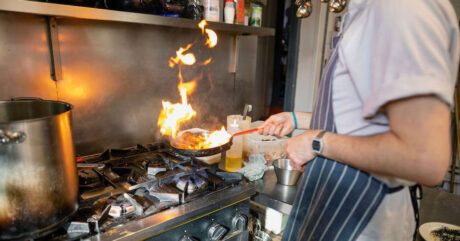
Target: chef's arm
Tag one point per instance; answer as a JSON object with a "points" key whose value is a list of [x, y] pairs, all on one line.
{"points": [[417, 147], [303, 119], [283, 123]]}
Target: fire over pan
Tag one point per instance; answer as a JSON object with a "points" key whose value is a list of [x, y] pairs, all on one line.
{"points": [[199, 152]]}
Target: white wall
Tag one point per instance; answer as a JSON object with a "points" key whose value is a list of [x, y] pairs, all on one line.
{"points": [[310, 54]]}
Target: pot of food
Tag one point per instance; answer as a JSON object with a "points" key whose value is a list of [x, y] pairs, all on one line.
{"points": [[38, 178]]}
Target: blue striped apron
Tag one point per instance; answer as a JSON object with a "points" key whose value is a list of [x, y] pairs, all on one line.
{"points": [[334, 201]]}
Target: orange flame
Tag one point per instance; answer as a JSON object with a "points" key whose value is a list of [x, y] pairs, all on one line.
{"points": [[217, 138], [187, 59], [189, 87], [202, 25], [206, 62], [173, 115], [196, 139], [211, 38]]}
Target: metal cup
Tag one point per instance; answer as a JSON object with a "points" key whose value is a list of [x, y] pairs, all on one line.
{"points": [[285, 172]]}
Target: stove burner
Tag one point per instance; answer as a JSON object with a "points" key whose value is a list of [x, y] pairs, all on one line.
{"points": [[167, 194], [120, 186], [191, 183]]}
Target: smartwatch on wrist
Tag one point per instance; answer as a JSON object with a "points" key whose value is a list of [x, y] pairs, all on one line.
{"points": [[317, 143]]}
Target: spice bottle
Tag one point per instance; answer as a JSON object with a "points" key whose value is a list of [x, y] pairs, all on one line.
{"points": [[256, 16], [240, 11], [247, 12], [229, 11], [212, 10]]}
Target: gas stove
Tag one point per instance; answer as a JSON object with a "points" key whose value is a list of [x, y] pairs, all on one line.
{"points": [[152, 192]]}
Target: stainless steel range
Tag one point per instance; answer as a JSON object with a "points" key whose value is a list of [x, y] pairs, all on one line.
{"points": [[153, 193]]}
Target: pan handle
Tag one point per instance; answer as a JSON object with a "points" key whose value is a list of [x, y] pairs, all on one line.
{"points": [[16, 137]]}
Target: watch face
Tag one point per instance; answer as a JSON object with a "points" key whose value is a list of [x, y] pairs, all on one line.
{"points": [[316, 145]]}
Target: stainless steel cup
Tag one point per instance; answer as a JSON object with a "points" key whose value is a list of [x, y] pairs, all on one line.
{"points": [[285, 172]]}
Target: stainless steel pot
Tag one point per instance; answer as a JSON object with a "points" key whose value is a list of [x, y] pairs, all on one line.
{"points": [[38, 178]]}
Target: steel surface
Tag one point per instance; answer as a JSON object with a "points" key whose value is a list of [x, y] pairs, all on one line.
{"points": [[274, 195], [164, 221], [116, 75]]}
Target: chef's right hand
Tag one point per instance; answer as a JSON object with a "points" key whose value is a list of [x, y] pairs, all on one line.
{"points": [[280, 125]]}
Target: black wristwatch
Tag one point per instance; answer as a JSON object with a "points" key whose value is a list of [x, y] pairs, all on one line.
{"points": [[317, 143]]}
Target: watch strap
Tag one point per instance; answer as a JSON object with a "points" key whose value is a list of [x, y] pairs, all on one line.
{"points": [[320, 135], [317, 143]]}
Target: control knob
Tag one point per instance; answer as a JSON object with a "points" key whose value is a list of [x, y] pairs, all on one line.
{"points": [[216, 232], [239, 222]]}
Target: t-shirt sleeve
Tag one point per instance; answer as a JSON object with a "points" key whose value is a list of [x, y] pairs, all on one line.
{"points": [[410, 43]]}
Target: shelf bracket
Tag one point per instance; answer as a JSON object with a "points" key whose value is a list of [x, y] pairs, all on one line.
{"points": [[53, 48], [234, 49]]}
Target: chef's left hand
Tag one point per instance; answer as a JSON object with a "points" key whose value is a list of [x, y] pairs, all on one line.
{"points": [[299, 149]]}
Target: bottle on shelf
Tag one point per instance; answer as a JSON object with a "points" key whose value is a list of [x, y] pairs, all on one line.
{"points": [[239, 11], [256, 15], [194, 10], [211, 10], [247, 12], [229, 11]]}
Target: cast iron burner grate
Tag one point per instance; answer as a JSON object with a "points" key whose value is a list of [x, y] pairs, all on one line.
{"points": [[122, 185]]}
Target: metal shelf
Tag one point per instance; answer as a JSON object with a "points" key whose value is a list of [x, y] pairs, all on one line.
{"points": [[69, 11]]}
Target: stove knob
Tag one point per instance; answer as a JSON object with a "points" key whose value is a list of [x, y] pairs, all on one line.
{"points": [[187, 238], [216, 232], [239, 222]]}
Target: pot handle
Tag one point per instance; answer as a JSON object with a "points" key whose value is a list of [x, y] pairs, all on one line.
{"points": [[11, 137]]}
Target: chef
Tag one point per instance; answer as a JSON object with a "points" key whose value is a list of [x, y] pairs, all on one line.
{"points": [[380, 125]]}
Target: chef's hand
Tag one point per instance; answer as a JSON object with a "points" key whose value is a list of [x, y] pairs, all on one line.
{"points": [[280, 124], [299, 149]]}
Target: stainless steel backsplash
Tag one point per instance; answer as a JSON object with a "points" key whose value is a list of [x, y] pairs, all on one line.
{"points": [[117, 74]]}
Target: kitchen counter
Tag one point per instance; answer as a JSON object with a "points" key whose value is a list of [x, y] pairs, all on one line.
{"points": [[436, 205], [439, 206], [273, 195]]}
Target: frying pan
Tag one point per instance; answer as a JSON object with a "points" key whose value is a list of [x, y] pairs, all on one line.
{"points": [[200, 152], [209, 151]]}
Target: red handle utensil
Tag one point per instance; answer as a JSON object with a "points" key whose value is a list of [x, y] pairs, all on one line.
{"points": [[245, 132]]}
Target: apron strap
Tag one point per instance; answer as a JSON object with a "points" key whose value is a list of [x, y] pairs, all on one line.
{"points": [[395, 189], [415, 196]]}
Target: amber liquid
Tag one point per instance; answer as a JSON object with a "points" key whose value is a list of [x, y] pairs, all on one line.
{"points": [[233, 164]]}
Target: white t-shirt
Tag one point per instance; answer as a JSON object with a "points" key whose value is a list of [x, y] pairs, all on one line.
{"points": [[393, 49]]}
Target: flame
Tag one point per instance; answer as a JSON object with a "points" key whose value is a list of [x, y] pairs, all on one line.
{"points": [[217, 138], [188, 87], [202, 25], [187, 59], [206, 62], [174, 115], [196, 139], [211, 37]]}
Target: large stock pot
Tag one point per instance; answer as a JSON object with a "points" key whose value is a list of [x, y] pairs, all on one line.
{"points": [[38, 178]]}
